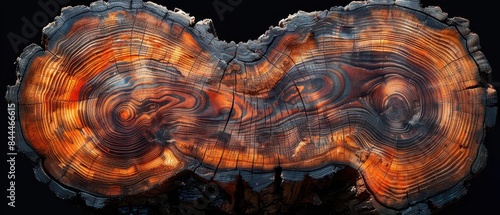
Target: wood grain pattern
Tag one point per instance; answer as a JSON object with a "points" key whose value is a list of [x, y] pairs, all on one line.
{"points": [[125, 95]]}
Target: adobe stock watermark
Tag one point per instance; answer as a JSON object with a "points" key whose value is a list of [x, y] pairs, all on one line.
{"points": [[32, 25], [223, 6], [11, 155]]}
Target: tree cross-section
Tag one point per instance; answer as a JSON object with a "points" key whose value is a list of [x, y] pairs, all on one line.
{"points": [[125, 95]]}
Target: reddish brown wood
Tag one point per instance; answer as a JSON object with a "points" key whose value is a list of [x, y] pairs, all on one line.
{"points": [[126, 95]]}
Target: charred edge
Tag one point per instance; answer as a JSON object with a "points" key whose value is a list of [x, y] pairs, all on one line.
{"points": [[278, 180]]}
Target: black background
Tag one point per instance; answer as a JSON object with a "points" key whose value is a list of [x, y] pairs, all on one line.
{"points": [[247, 20]]}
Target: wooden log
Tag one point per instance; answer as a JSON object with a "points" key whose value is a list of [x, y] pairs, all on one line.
{"points": [[123, 96]]}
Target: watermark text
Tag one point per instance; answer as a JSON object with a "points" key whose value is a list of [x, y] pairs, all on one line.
{"points": [[30, 26], [223, 6], [11, 154]]}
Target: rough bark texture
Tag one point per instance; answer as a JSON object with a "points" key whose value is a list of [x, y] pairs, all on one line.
{"points": [[125, 95]]}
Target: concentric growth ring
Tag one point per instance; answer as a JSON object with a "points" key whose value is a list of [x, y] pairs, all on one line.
{"points": [[126, 95]]}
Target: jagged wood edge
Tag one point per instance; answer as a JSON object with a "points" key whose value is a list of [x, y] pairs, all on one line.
{"points": [[472, 41], [252, 51], [439, 200]]}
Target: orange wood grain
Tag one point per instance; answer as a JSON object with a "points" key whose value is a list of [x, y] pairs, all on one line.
{"points": [[121, 101]]}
